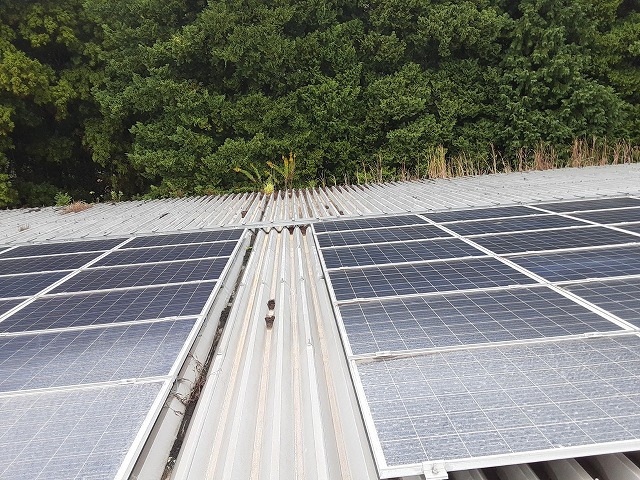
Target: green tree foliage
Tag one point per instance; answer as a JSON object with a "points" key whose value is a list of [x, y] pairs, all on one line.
{"points": [[176, 97]]}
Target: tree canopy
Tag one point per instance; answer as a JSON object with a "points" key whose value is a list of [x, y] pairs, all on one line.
{"points": [[112, 99]]}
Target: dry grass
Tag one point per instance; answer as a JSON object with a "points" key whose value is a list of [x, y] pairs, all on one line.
{"points": [[435, 163], [76, 207]]}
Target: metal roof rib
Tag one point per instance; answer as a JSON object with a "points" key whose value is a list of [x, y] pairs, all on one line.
{"points": [[279, 396]]}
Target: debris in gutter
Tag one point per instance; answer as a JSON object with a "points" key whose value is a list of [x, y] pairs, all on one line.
{"points": [[270, 318]]}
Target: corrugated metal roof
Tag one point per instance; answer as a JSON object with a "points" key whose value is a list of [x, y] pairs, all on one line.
{"points": [[278, 402], [251, 209]]}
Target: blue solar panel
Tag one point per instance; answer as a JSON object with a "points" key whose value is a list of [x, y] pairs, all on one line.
{"points": [[171, 253], [364, 223], [590, 204], [75, 357], [466, 319], [424, 278], [504, 399], [122, 277], [65, 247], [536, 222], [554, 239], [603, 262], [27, 285], [620, 297], [81, 310], [44, 264], [380, 235], [611, 216], [178, 238], [444, 248], [6, 305], [635, 227], [72, 434], [477, 213]]}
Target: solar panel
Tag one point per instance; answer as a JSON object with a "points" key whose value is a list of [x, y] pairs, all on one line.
{"points": [[381, 235], [71, 434], [536, 222], [65, 247], [6, 305], [177, 238], [590, 204], [179, 252], [620, 297], [477, 213], [424, 278], [635, 227], [399, 252], [161, 273], [364, 223], [109, 307], [459, 406], [554, 239], [611, 216], [603, 262], [25, 285], [75, 357], [466, 319], [43, 264]]}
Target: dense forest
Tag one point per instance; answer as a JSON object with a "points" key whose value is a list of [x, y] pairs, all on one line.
{"points": [[112, 99]]}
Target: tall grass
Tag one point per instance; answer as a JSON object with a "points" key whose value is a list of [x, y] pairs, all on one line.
{"points": [[436, 163]]}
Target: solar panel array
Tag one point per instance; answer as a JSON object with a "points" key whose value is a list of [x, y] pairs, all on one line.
{"points": [[497, 333], [91, 336]]}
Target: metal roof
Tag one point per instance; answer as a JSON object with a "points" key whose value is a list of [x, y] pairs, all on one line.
{"points": [[304, 205], [280, 402]]}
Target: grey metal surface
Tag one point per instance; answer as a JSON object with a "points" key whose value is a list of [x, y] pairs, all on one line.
{"points": [[278, 403], [163, 216]]}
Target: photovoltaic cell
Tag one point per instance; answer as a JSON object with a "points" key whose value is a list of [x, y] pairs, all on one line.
{"points": [[562, 266], [72, 434], [6, 305], [554, 239], [43, 264], [109, 307], [611, 216], [179, 252], [177, 238], [122, 277], [25, 285], [504, 400], [424, 278], [381, 235], [65, 247], [620, 297], [632, 227], [590, 204], [477, 213], [399, 252], [363, 223], [76, 357], [537, 222], [466, 319]]}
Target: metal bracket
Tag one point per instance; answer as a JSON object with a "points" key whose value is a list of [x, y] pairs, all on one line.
{"points": [[434, 471]]}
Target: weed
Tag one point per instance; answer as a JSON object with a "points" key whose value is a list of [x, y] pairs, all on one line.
{"points": [[62, 199]]}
